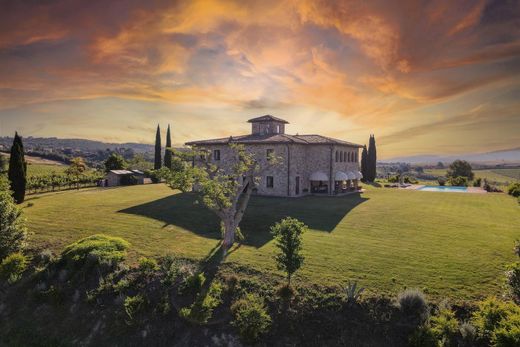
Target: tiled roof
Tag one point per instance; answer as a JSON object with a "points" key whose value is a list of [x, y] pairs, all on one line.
{"points": [[274, 139], [267, 118]]}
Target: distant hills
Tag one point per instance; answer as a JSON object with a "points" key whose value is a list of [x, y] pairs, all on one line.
{"points": [[80, 144], [507, 156]]}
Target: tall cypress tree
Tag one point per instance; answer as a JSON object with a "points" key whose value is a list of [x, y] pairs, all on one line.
{"points": [[17, 170], [158, 157], [371, 159], [364, 163], [168, 153]]}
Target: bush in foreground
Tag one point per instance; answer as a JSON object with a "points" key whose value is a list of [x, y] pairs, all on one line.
{"points": [[497, 322], [513, 280], [250, 317], [12, 267], [13, 232], [413, 306], [514, 189], [96, 250], [201, 310]]}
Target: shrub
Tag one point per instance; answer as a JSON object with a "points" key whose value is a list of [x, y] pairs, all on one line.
{"points": [[413, 305], [133, 306], [147, 266], [393, 179], [442, 181], [13, 231], [250, 317], [193, 283], [468, 334], [411, 180], [513, 280], [477, 182], [201, 310], [13, 266], [460, 168], [494, 316], [423, 337], [353, 292], [514, 189], [445, 327], [45, 257], [459, 181], [96, 250]]}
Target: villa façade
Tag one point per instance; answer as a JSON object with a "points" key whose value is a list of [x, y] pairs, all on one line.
{"points": [[311, 164]]}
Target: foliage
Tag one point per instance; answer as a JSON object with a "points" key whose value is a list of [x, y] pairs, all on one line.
{"points": [[225, 192], [12, 267], [133, 306], [514, 189], [3, 163], [13, 231], [168, 151], [147, 266], [139, 162], [497, 320], [76, 168], [353, 292], [477, 182], [202, 308], [460, 168], [158, 147], [441, 181], [423, 336], [17, 170], [288, 239], [413, 305], [96, 250], [250, 317], [54, 181], [513, 280], [371, 159], [192, 283], [115, 162], [445, 327], [410, 179], [458, 181], [516, 248], [364, 162], [468, 334]]}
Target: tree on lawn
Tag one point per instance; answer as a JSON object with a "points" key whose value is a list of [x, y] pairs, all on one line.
{"points": [[168, 150], [17, 170], [225, 192], [371, 159], [288, 239], [76, 168], [364, 162], [115, 162], [460, 168], [158, 157], [13, 232]]}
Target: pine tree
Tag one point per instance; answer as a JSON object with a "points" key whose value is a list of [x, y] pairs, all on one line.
{"points": [[371, 159], [364, 163], [168, 153], [158, 157], [17, 170]]}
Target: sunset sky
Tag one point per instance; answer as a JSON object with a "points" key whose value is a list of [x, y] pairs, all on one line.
{"points": [[438, 77]]}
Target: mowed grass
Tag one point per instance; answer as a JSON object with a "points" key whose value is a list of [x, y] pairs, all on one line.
{"points": [[448, 244]]}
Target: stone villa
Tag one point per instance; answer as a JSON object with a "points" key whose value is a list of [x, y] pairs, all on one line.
{"points": [[311, 164]]}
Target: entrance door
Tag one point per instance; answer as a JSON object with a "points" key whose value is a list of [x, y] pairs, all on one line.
{"points": [[297, 185]]}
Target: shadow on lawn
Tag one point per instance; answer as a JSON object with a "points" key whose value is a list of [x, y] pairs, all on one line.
{"points": [[187, 211]]}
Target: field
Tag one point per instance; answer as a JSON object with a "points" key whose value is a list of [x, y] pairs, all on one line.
{"points": [[44, 169], [447, 244], [500, 177]]}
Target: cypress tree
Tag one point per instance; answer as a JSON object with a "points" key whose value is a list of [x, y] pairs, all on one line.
{"points": [[168, 153], [158, 157], [364, 163], [371, 159], [17, 170]]}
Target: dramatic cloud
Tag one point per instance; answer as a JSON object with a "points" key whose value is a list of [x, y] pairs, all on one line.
{"points": [[412, 72]]}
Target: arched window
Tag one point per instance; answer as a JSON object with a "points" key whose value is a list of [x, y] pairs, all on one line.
{"points": [[337, 156]]}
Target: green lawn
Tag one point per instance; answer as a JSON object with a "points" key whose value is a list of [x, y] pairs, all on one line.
{"points": [[448, 244]]}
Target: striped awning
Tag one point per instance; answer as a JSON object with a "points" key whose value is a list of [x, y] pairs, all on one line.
{"points": [[341, 176]]}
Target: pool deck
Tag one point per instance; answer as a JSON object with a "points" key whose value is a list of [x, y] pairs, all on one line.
{"points": [[473, 190]]}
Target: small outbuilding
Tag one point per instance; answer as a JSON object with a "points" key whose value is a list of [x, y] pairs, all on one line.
{"points": [[124, 178]]}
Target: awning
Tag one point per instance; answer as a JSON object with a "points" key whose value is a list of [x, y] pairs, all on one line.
{"points": [[351, 175], [359, 175], [319, 176], [341, 176]]}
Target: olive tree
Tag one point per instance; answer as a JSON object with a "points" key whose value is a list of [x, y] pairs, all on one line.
{"points": [[224, 190]]}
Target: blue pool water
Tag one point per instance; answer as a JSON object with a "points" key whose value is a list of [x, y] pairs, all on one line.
{"points": [[444, 189]]}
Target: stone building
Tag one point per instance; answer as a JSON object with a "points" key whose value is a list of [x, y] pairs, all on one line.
{"points": [[310, 164]]}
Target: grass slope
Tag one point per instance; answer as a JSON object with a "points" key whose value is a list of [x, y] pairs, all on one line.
{"points": [[448, 244]]}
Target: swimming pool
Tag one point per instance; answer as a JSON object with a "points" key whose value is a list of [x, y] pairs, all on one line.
{"points": [[450, 189]]}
